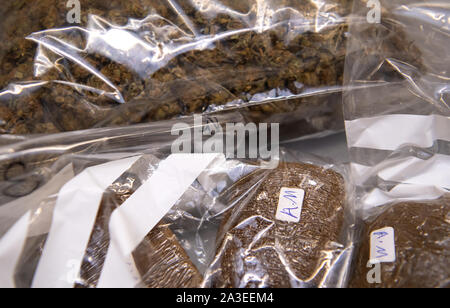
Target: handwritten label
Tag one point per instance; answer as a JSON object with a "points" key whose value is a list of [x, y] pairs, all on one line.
{"points": [[382, 246], [290, 204]]}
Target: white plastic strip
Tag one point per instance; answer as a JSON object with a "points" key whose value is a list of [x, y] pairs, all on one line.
{"points": [[390, 132], [143, 210], [75, 213], [11, 246], [434, 171], [402, 192], [408, 170]]}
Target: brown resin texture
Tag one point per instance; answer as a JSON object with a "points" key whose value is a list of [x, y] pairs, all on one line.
{"points": [[422, 244], [257, 250]]}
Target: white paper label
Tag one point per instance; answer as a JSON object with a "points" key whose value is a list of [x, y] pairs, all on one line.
{"points": [[290, 204], [382, 246]]}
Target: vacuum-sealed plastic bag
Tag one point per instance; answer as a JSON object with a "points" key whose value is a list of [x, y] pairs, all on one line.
{"points": [[287, 227], [137, 61], [115, 207], [410, 242]]}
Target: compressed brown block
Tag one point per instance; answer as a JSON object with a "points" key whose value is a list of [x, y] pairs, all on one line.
{"points": [[422, 246], [255, 249], [160, 258]]}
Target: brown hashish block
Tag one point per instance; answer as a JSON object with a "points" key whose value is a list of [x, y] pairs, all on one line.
{"points": [[258, 250], [422, 246], [160, 259]]}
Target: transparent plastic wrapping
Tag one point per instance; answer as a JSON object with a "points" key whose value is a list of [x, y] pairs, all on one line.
{"points": [[138, 61], [69, 203], [284, 228], [28, 163], [398, 123], [114, 207], [138, 237], [397, 113], [422, 246]]}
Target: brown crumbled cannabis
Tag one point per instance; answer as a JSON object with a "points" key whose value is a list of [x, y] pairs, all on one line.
{"points": [[260, 69], [276, 62]]}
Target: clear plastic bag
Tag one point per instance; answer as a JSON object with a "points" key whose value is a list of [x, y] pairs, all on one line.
{"points": [[290, 227], [146, 60], [421, 243], [114, 208], [398, 123], [133, 232], [106, 208], [396, 106]]}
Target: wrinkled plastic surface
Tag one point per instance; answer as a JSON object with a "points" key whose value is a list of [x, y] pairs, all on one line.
{"points": [[56, 180], [166, 257], [398, 130], [29, 163], [160, 258], [398, 124], [38, 174], [145, 60], [422, 245], [257, 249]]}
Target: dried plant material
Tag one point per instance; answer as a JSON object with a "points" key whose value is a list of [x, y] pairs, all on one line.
{"points": [[262, 67], [422, 247], [255, 249]]}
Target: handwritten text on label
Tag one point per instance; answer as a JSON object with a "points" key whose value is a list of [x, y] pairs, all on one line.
{"points": [[290, 204], [382, 245]]}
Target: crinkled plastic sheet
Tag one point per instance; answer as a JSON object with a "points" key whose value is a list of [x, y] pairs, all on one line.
{"points": [[85, 203], [422, 246], [145, 60], [398, 125], [73, 251], [398, 128], [257, 248], [82, 206]]}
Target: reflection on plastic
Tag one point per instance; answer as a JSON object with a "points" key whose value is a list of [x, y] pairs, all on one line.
{"points": [[163, 59]]}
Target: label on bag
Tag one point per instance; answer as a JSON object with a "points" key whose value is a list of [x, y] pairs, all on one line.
{"points": [[290, 204], [382, 246]]}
